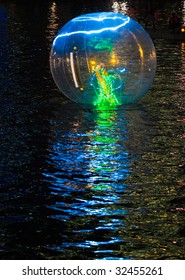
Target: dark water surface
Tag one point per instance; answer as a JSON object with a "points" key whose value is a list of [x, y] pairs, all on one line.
{"points": [[77, 183]]}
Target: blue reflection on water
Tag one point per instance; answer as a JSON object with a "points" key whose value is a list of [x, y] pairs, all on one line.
{"points": [[89, 168]]}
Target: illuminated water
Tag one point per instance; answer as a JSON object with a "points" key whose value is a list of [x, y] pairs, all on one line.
{"points": [[83, 184]]}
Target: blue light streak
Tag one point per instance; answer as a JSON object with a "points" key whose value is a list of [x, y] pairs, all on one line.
{"points": [[100, 18], [96, 31]]}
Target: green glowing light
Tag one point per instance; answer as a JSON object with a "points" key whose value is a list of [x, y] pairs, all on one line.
{"points": [[100, 187], [105, 89], [101, 44], [103, 139]]}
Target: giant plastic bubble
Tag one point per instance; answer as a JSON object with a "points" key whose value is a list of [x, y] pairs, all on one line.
{"points": [[103, 59]]}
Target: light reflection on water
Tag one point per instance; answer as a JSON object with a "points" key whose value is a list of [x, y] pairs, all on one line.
{"points": [[95, 163], [82, 184]]}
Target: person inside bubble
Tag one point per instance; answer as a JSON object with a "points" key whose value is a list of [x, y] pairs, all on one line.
{"points": [[105, 82]]}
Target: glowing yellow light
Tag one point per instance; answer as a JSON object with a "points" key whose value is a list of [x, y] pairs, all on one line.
{"points": [[114, 60], [92, 65], [81, 88], [152, 54], [140, 48], [74, 48], [92, 62], [182, 29]]}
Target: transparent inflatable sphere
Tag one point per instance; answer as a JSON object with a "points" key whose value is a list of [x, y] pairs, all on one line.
{"points": [[104, 59]]}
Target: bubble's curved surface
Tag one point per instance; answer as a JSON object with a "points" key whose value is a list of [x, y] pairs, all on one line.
{"points": [[103, 59]]}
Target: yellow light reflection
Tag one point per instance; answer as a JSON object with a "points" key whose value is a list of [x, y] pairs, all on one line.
{"points": [[139, 48], [114, 59], [92, 65], [53, 19], [152, 54]]}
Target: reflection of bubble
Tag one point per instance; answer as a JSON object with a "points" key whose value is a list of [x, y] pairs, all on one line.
{"points": [[108, 159], [103, 59], [89, 164]]}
